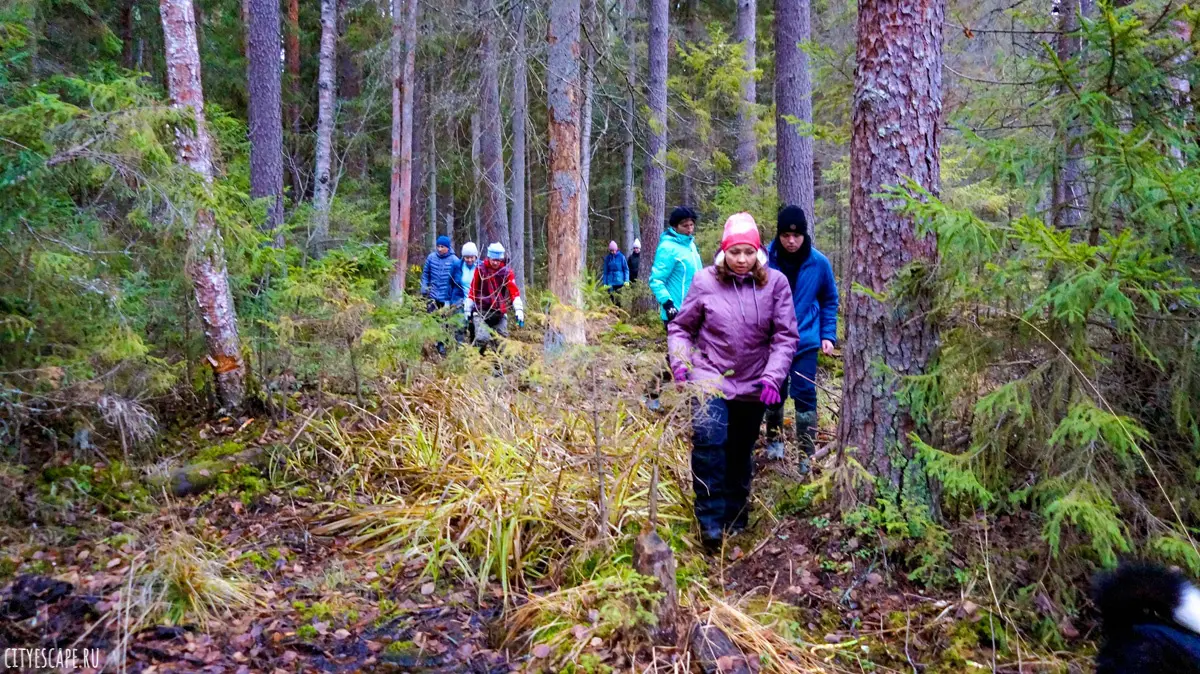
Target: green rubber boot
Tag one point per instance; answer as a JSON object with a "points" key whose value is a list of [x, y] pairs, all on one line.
{"points": [[806, 431]]}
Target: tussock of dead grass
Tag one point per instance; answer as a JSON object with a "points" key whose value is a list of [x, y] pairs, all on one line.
{"points": [[497, 478]]}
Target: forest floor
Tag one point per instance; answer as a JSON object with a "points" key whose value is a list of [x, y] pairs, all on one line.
{"points": [[451, 525]]}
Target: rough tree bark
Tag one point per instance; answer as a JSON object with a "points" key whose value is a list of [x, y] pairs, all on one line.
{"points": [[206, 254], [562, 246], [323, 172], [895, 135], [793, 100], [491, 148], [628, 192], [266, 112], [476, 180], [292, 49], [402, 123], [1068, 191], [520, 113], [417, 250], [585, 133], [655, 175], [746, 155], [431, 150]]}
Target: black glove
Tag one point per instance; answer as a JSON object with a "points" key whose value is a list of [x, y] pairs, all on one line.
{"points": [[671, 311]]}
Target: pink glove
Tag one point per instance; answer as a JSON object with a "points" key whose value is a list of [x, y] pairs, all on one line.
{"points": [[770, 394], [680, 373]]}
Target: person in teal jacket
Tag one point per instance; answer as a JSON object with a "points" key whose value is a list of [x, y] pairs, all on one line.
{"points": [[676, 261]]}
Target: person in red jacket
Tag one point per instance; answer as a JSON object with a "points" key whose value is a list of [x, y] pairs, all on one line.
{"points": [[493, 290]]}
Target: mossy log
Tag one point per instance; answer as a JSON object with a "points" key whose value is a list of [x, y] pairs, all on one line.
{"points": [[200, 475]]}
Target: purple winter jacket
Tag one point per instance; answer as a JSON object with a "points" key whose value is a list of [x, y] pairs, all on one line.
{"points": [[735, 333]]}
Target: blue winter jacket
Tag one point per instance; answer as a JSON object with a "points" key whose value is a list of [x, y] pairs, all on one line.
{"points": [[435, 276], [814, 292], [616, 270], [459, 285]]}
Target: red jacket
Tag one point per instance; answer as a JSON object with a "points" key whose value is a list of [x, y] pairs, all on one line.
{"points": [[493, 290]]}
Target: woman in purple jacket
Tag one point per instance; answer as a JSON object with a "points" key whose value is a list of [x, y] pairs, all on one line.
{"points": [[733, 341]]}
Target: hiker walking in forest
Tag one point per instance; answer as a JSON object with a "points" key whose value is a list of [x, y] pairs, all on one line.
{"points": [[461, 275], [493, 290], [436, 283], [616, 271], [675, 263], [635, 261], [815, 296], [732, 341]]}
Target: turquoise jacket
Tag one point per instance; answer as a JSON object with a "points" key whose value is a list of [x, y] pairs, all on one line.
{"points": [[675, 263]]}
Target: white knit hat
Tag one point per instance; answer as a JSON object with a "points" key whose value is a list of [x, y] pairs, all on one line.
{"points": [[637, 243], [469, 249], [495, 251]]}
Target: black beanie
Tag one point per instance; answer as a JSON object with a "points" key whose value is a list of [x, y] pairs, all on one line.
{"points": [[791, 220], [682, 213]]}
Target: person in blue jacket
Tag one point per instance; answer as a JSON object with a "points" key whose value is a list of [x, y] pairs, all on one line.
{"points": [[437, 286], [676, 261], [616, 271], [461, 275], [815, 295]]}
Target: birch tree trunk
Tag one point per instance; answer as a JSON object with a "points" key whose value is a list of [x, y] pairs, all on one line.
{"points": [[793, 103], [266, 112], [520, 113], [628, 192], [206, 254], [491, 148], [562, 246], [655, 176], [746, 155], [323, 172], [402, 122], [895, 135]]}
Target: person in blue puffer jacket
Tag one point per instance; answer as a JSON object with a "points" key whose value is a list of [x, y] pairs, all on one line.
{"points": [[616, 271], [437, 286], [815, 295]]}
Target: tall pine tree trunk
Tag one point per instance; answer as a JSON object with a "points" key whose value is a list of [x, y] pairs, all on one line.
{"points": [[266, 112], [747, 145], [491, 148], [895, 135], [793, 102], [585, 133], [292, 51], [562, 246], [431, 151], [520, 113], [416, 248], [206, 254], [628, 191], [655, 176], [323, 173], [403, 22], [476, 184]]}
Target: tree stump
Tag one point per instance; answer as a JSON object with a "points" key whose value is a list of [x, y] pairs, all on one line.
{"points": [[653, 557]]}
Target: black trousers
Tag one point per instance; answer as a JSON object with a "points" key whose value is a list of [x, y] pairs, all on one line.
{"points": [[723, 437]]}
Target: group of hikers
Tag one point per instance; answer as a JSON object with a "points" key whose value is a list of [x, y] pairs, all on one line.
{"points": [[743, 334], [483, 291]]}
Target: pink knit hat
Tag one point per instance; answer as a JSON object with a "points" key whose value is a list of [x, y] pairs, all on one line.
{"points": [[740, 228]]}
